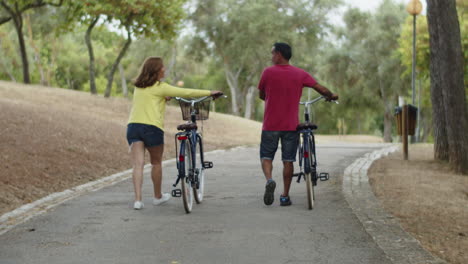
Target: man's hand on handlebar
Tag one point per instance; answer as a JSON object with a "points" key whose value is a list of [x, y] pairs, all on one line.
{"points": [[332, 97], [216, 94]]}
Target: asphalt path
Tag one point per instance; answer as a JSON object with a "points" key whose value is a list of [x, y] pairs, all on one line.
{"points": [[232, 225]]}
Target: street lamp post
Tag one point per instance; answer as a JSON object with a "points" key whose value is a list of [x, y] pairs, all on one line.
{"points": [[414, 8]]}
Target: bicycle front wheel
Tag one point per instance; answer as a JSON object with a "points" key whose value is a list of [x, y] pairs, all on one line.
{"points": [[187, 194], [199, 187]]}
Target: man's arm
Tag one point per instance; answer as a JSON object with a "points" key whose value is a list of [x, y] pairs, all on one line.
{"points": [[262, 95], [325, 92]]}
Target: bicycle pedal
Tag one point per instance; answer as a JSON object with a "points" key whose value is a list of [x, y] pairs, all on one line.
{"points": [[207, 164], [176, 193], [324, 176]]}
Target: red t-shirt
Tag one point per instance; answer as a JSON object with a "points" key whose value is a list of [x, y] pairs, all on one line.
{"points": [[283, 89]]}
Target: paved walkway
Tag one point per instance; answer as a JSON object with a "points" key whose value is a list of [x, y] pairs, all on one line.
{"points": [[231, 226]]}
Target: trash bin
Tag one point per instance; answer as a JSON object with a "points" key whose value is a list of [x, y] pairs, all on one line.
{"points": [[399, 119], [412, 118]]}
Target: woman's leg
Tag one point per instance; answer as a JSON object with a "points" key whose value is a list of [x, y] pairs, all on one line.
{"points": [[156, 154], [137, 153]]}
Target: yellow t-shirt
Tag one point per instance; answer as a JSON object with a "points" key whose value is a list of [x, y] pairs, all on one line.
{"points": [[149, 104]]}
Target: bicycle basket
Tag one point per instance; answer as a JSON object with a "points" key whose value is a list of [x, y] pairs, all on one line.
{"points": [[202, 110]]}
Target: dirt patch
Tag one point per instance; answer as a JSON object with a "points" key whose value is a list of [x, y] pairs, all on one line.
{"points": [[430, 200]]}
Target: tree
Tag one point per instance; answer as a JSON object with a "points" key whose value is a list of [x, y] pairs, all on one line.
{"points": [[240, 35], [364, 64], [423, 54], [13, 10], [147, 18], [447, 85]]}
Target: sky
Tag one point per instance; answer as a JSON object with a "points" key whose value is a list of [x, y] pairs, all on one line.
{"points": [[367, 5], [372, 4]]}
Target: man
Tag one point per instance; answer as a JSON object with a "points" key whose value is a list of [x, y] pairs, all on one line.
{"points": [[281, 88]]}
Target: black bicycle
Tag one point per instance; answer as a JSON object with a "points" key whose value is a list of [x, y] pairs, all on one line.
{"points": [[307, 155], [189, 152]]}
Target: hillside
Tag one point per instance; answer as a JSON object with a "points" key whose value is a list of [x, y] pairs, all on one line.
{"points": [[53, 139]]}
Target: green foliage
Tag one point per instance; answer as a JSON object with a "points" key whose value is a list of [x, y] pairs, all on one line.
{"points": [[240, 35], [422, 42], [101, 83], [365, 69], [147, 18]]}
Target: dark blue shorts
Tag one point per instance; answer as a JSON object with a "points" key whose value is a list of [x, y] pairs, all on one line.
{"points": [[289, 143], [151, 136]]}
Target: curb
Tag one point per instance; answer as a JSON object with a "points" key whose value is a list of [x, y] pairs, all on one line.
{"points": [[399, 246]]}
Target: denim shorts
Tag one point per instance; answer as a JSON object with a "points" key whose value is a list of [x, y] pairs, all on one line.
{"points": [[289, 143], [151, 136]]}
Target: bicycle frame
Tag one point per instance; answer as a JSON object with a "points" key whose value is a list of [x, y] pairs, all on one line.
{"points": [[307, 147], [187, 137], [191, 137]]}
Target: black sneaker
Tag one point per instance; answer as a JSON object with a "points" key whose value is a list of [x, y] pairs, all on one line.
{"points": [[268, 198], [285, 201]]}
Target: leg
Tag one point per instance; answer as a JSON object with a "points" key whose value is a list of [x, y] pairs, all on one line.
{"points": [[268, 147], [267, 167], [288, 171], [156, 171], [137, 153], [289, 142]]}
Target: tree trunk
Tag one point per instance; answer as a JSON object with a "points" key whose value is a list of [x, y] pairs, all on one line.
{"points": [[249, 102], [388, 113], [233, 83], [37, 54], [92, 68], [388, 120], [110, 77], [447, 80], [18, 22], [170, 67], [123, 80]]}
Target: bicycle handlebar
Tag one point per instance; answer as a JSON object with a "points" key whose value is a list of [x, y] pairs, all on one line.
{"points": [[194, 101], [315, 100]]}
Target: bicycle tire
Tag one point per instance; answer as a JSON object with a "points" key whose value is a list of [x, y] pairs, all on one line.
{"points": [[308, 175], [199, 187], [187, 194]]}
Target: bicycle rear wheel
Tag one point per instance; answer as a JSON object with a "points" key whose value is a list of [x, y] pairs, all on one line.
{"points": [[308, 162], [187, 194], [199, 187]]}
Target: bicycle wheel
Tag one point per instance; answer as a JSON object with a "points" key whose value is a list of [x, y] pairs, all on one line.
{"points": [[308, 174], [199, 187], [187, 194]]}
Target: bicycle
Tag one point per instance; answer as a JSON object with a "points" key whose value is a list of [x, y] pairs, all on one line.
{"points": [[307, 155], [190, 163]]}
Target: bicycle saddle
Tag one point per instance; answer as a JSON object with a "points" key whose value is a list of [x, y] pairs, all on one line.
{"points": [[187, 126], [303, 126]]}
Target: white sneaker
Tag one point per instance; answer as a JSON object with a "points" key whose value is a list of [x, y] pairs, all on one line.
{"points": [[164, 198], [138, 205]]}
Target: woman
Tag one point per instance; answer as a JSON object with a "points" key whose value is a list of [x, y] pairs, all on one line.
{"points": [[146, 124]]}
